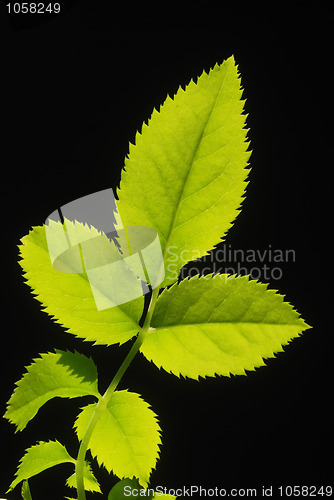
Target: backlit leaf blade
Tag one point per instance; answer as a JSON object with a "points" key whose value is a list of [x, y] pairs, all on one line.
{"points": [[186, 174], [40, 457], [68, 297], [130, 488], [91, 483], [219, 325], [59, 374], [126, 488], [158, 495], [25, 491], [126, 438]]}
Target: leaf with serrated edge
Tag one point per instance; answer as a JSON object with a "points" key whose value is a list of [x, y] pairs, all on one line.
{"points": [[60, 374], [68, 297], [219, 325], [40, 457], [186, 174], [126, 438], [91, 483]]}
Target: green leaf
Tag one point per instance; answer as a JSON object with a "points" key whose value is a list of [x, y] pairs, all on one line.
{"points": [[158, 495], [69, 299], [40, 457], [131, 488], [126, 488], [219, 325], [186, 174], [60, 374], [25, 491], [91, 483], [126, 437]]}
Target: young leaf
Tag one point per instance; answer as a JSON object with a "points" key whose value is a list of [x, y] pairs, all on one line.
{"points": [[186, 174], [25, 491], [60, 374], [91, 483], [40, 457], [68, 297], [219, 325], [126, 488], [131, 488], [126, 438], [158, 495]]}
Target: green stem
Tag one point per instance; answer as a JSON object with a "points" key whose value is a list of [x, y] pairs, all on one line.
{"points": [[103, 402], [150, 310]]}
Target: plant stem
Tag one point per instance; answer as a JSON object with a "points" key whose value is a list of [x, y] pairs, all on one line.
{"points": [[103, 402]]}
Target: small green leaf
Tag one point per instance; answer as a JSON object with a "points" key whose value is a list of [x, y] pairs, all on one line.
{"points": [[69, 299], [158, 495], [131, 488], [219, 325], [186, 174], [60, 374], [91, 483], [126, 437], [40, 457], [25, 491], [126, 488]]}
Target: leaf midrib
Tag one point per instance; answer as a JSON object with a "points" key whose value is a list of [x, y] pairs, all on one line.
{"points": [[192, 161]]}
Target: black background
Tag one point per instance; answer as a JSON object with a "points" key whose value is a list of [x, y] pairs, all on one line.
{"points": [[74, 90]]}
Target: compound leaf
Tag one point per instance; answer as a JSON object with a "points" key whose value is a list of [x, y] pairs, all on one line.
{"points": [[68, 297], [186, 174], [40, 457], [126, 438], [91, 483], [219, 325], [59, 374]]}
